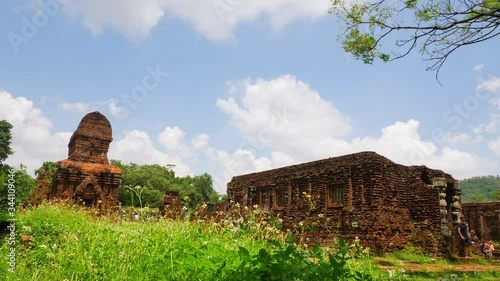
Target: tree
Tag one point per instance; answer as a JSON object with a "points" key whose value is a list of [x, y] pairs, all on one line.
{"points": [[436, 27], [24, 185], [47, 167], [496, 195], [481, 188], [5, 140], [154, 180]]}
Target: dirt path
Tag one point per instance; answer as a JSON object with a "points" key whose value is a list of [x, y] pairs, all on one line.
{"points": [[415, 267]]}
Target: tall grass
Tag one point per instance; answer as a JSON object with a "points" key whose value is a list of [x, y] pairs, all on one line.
{"points": [[68, 243]]}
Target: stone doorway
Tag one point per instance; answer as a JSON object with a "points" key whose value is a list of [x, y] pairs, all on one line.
{"points": [[89, 196]]}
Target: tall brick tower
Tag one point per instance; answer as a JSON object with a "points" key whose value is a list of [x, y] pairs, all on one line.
{"points": [[86, 176]]}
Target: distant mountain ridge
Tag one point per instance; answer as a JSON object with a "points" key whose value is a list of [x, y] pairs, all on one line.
{"points": [[482, 188]]}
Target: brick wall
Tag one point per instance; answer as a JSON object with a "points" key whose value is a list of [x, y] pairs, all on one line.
{"points": [[364, 195], [483, 219]]}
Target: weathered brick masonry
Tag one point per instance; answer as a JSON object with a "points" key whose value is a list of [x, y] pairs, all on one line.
{"points": [[483, 219], [86, 176], [365, 195]]}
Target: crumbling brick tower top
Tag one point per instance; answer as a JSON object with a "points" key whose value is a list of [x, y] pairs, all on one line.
{"points": [[90, 142]]}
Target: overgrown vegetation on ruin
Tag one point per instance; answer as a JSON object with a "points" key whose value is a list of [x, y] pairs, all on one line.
{"points": [[68, 244]]}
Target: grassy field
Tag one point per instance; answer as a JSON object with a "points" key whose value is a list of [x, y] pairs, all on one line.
{"points": [[68, 243]]}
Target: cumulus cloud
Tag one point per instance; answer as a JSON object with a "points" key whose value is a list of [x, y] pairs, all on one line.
{"points": [[111, 105], [492, 85], [114, 109], [200, 141], [134, 19], [215, 19], [136, 147], [283, 113], [284, 121], [33, 143], [491, 89], [32, 140], [460, 138], [78, 107], [494, 145]]}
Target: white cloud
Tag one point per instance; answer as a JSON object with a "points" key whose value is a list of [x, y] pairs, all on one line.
{"points": [[310, 128], [134, 19], [114, 109], [496, 103], [490, 85], [283, 113], [200, 141], [478, 67], [490, 127], [171, 138], [78, 107], [459, 138], [32, 140], [215, 19], [282, 121], [494, 145], [137, 147], [111, 105]]}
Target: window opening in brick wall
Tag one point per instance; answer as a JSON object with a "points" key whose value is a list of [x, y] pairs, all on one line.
{"points": [[280, 198], [336, 194], [210, 208], [252, 197]]}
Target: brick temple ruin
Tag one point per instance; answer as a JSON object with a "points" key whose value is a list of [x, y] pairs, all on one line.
{"points": [[364, 195], [483, 219], [171, 205], [86, 177]]}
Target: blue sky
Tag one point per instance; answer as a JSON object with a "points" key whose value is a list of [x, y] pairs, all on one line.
{"points": [[231, 86]]}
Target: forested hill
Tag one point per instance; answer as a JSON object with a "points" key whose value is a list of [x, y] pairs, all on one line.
{"points": [[482, 188]]}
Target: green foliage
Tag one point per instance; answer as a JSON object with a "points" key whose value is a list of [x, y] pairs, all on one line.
{"points": [[5, 141], [436, 28], [23, 183], [154, 180], [479, 189], [109, 249], [47, 167], [361, 45], [70, 244], [287, 261]]}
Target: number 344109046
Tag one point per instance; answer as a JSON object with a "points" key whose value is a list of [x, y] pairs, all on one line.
{"points": [[11, 196]]}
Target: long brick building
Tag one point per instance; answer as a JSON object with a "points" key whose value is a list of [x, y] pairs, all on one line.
{"points": [[365, 195]]}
